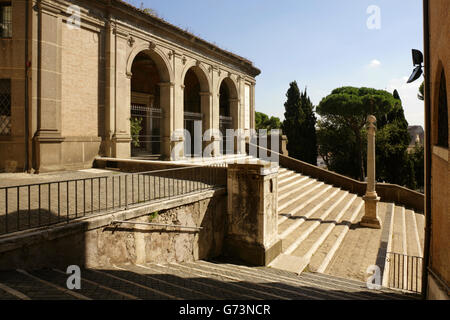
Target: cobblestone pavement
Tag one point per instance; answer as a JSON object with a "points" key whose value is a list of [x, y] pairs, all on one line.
{"points": [[187, 281]]}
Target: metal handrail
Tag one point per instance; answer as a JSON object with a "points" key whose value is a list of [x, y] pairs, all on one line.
{"points": [[155, 224], [114, 174], [40, 204]]}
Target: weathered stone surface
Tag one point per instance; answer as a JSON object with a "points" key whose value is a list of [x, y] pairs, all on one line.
{"points": [[252, 229], [93, 242]]}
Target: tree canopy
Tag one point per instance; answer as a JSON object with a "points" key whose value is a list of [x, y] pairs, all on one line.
{"points": [[262, 121], [342, 134], [350, 107]]}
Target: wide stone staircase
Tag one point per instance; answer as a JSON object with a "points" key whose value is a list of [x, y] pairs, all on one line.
{"points": [[189, 280], [319, 227]]}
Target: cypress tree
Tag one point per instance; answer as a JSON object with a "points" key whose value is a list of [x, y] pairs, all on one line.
{"points": [[299, 125], [293, 118], [308, 141]]}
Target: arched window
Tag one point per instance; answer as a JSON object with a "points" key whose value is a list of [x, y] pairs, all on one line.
{"points": [[442, 114]]}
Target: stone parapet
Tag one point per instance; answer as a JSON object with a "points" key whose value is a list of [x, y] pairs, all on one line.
{"points": [[252, 218]]}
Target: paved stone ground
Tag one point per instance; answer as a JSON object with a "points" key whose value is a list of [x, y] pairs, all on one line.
{"points": [[195, 280], [94, 191]]}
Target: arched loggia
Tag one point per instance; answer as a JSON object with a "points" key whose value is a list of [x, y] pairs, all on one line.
{"points": [[146, 115], [148, 104], [196, 109], [228, 115]]}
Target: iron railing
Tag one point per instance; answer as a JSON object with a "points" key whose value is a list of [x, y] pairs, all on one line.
{"points": [[24, 207], [405, 272]]}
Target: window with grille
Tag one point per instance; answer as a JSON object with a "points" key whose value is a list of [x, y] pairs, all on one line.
{"points": [[5, 20], [5, 107], [442, 134]]}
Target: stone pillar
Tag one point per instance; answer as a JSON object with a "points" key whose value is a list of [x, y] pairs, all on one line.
{"points": [[283, 145], [237, 123], [208, 116], [48, 138], [371, 198], [121, 140], [252, 217], [110, 89], [171, 101]]}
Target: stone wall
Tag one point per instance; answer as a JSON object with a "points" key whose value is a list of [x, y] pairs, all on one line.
{"points": [[12, 66], [83, 92], [439, 62], [94, 242]]}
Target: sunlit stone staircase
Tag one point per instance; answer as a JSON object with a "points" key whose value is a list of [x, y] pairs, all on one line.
{"points": [[188, 280], [318, 225]]}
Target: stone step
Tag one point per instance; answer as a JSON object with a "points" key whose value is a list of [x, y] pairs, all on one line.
{"points": [[322, 257], [172, 285], [358, 250], [390, 210], [329, 283], [139, 286], [286, 176], [303, 211], [291, 188], [412, 235], [256, 290], [398, 237], [201, 282], [283, 174], [420, 219], [291, 181], [295, 190], [323, 227], [91, 289], [282, 170], [188, 280], [304, 231], [405, 240], [27, 286], [312, 292], [303, 191]]}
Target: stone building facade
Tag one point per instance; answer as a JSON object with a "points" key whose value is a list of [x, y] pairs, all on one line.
{"points": [[437, 73], [77, 76]]}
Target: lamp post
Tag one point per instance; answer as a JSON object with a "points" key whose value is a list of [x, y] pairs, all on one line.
{"points": [[371, 198]]}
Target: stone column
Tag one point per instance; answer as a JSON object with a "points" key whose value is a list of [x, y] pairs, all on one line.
{"points": [[252, 217], [208, 116], [47, 94], [110, 89], [371, 198], [171, 121], [121, 139]]}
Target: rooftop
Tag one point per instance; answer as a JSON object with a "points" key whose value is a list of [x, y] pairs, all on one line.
{"points": [[190, 36]]}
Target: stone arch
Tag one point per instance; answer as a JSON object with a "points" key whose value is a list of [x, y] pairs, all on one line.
{"points": [[229, 115], [196, 106], [149, 99], [157, 55], [232, 85], [201, 72]]}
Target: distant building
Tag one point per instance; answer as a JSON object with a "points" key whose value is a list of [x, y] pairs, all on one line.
{"points": [[416, 134]]}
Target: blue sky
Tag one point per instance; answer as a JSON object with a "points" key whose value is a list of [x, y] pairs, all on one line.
{"points": [[322, 44]]}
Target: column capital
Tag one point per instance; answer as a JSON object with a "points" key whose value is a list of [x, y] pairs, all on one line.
{"points": [[166, 84]]}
